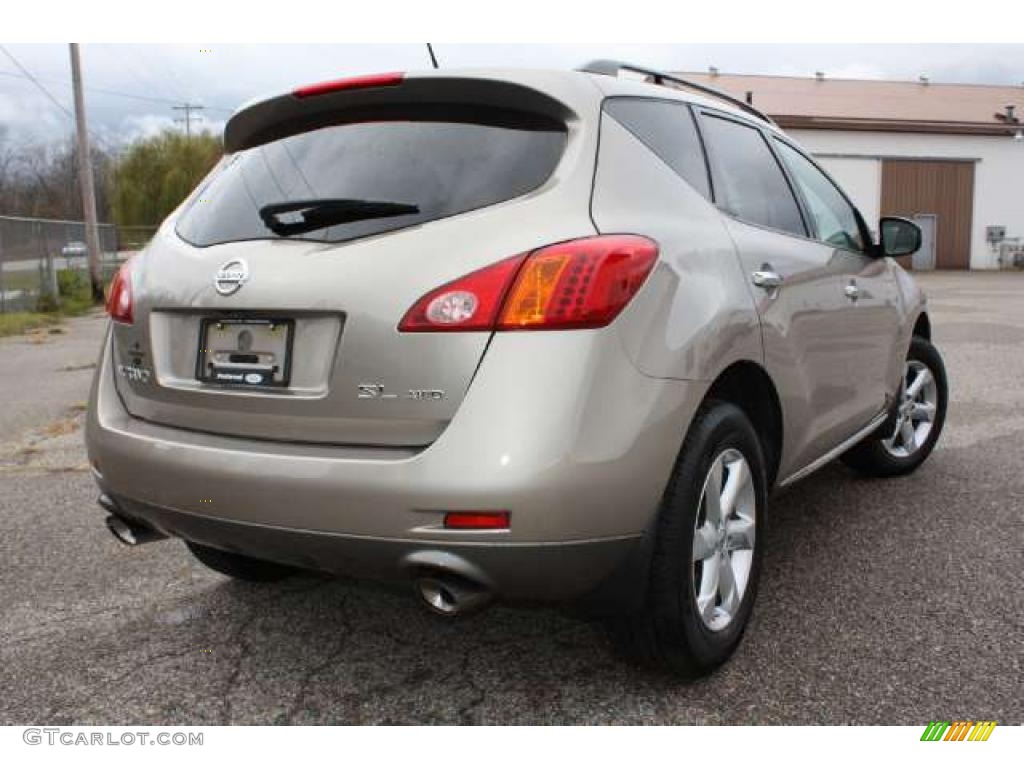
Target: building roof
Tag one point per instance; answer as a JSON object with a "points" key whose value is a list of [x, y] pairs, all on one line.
{"points": [[886, 105]]}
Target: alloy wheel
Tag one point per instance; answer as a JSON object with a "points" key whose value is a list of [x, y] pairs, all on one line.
{"points": [[723, 539], [915, 413]]}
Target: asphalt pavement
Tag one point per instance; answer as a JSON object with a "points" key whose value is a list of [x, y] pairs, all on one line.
{"points": [[882, 602]]}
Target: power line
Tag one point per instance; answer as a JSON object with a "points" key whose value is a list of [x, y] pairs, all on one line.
{"points": [[38, 85], [110, 92], [188, 109], [171, 78], [157, 84]]}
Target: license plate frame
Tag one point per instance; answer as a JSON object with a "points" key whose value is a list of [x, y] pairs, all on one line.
{"points": [[212, 369]]}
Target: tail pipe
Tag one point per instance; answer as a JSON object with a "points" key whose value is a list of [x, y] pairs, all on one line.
{"points": [[127, 531], [450, 595]]}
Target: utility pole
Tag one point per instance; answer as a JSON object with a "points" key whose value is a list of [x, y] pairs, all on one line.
{"points": [[188, 109], [92, 232]]}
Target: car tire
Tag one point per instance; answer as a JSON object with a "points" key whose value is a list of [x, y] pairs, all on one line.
{"points": [[908, 436], [685, 624], [238, 566]]}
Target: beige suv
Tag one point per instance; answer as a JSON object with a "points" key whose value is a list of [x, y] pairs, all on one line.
{"points": [[525, 335]]}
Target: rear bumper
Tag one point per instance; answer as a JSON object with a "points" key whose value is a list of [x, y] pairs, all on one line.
{"points": [[581, 467], [551, 572]]}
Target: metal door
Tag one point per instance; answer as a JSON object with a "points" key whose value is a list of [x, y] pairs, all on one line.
{"points": [[820, 338], [924, 259]]}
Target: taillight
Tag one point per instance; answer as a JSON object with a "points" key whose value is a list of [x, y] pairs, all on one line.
{"points": [[582, 283], [470, 303], [349, 84], [579, 284], [119, 295]]}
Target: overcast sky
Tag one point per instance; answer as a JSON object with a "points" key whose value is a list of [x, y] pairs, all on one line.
{"points": [[149, 79]]}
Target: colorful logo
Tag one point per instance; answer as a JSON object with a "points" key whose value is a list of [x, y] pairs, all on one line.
{"points": [[960, 730]]}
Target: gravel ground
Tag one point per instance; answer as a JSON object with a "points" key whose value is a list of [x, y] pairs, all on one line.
{"points": [[882, 602]]}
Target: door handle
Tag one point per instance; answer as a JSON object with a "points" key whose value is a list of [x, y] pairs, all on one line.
{"points": [[852, 291], [766, 278]]}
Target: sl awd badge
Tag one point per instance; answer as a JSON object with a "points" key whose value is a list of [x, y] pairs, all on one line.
{"points": [[376, 392]]}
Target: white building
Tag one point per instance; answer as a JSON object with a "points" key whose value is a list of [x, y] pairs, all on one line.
{"points": [[949, 156]]}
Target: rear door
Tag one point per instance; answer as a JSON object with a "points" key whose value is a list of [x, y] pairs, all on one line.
{"points": [[870, 307], [797, 285], [269, 307]]}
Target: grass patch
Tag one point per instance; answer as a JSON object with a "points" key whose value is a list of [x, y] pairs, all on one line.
{"points": [[75, 299], [21, 280], [15, 323]]}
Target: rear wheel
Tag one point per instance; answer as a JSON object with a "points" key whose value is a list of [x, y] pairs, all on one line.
{"points": [[707, 558], [239, 566], [910, 434]]}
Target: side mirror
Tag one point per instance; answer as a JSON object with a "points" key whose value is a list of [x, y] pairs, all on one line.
{"points": [[899, 237]]}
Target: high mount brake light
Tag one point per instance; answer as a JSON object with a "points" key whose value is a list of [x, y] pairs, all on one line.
{"points": [[119, 295], [349, 84], [581, 283]]}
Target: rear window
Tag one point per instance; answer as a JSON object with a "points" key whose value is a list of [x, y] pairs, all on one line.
{"points": [[361, 179]]}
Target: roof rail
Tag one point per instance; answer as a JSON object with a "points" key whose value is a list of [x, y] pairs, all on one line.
{"points": [[612, 68]]}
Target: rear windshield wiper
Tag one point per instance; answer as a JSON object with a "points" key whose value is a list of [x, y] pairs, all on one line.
{"points": [[298, 216]]}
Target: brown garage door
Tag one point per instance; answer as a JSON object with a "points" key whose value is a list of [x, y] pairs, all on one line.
{"points": [[944, 188]]}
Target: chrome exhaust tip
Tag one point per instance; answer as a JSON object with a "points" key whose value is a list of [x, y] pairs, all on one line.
{"points": [[450, 595], [128, 532]]}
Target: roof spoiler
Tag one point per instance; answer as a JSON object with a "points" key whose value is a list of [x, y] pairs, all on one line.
{"points": [[388, 96], [611, 68]]}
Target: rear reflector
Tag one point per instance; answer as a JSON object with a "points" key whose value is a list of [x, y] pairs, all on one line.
{"points": [[349, 84], [477, 521], [581, 283]]}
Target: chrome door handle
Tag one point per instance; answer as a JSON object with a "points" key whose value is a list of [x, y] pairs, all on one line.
{"points": [[852, 291], [766, 278]]}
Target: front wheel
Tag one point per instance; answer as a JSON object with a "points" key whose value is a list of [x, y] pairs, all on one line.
{"points": [[909, 435]]}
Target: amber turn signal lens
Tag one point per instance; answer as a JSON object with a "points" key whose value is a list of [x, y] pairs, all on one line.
{"points": [[578, 284]]}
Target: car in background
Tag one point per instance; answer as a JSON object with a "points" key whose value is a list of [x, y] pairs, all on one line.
{"points": [[74, 248]]}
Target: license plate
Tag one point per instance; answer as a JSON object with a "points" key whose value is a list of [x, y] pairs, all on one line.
{"points": [[245, 352]]}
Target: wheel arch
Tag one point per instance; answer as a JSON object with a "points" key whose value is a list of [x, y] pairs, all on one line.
{"points": [[923, 326], [748, 386]]}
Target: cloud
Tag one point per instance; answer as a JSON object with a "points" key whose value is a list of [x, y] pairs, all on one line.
{"points": [[31, 118], [131, 89], [145, 126]]}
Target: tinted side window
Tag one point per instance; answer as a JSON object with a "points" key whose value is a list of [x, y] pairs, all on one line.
{"points": [[668, 130], [834, 218], [748, 181]]}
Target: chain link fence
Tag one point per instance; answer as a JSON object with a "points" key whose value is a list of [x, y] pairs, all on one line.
{"points": [[1011, 253], [43, 259]]}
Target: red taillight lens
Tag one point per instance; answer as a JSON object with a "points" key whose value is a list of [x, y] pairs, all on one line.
{"points": [[119, 295], [582, 283], [470, 303], [477, 521], [579, 284], [349, 84]]}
